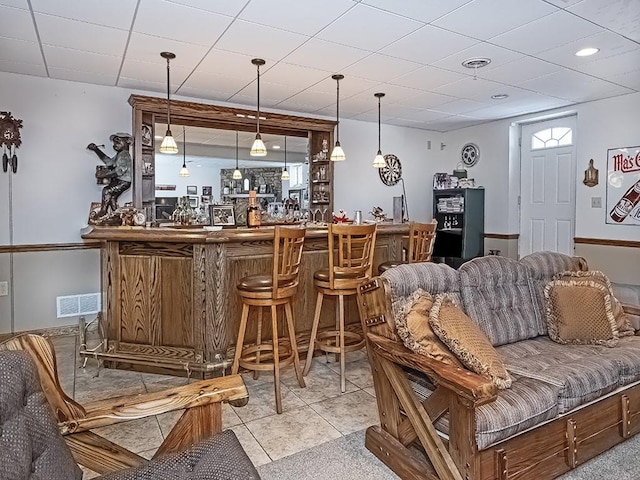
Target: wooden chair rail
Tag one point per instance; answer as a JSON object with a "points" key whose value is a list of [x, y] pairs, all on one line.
{"points": [[464, 383]]}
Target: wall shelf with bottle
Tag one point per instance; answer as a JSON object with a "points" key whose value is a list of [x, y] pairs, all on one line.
{"points": [[246, 195]]}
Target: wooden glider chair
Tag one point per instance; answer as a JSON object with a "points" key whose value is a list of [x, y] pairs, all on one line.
{"points": [[195, 443]]}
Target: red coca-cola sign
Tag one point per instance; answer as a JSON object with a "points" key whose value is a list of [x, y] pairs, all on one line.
{"points": [[623, 186]]}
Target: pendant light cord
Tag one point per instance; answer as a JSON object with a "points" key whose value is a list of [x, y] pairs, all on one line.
{"points": [[338, 110], [236, 149], [258, 126], [379, 150], [285, 152], [184, 147], [168, 98]]}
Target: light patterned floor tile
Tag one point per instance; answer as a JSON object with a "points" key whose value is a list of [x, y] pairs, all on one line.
{"points": [[254, 451], [321, 383], [357, 372], [291, 432], [349, 412], [262, 402], [136, 435]]}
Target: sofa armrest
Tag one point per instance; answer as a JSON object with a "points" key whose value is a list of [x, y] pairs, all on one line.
{"points": [[631, 309], [123, 409], [470, 386]]}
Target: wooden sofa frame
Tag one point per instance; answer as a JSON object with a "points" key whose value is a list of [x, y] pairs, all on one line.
{"points": [[546, 451]]}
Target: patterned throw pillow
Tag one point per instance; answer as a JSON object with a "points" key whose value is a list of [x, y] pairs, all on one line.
{"points": [[466, 341], [622, 319], [416, 333], [579, 311]]}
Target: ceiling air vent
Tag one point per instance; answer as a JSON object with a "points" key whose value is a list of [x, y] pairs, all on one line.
{"points": [[75, 305]]}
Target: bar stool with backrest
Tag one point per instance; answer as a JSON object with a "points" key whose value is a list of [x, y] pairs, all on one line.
{"points": [[422, 236], [351, 250], [272, 290]]}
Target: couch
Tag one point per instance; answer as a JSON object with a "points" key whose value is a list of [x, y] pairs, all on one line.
{"points": [[566, 403]]}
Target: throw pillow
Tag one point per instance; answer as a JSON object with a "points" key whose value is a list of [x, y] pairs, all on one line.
{"points": [[579, 311], [416, 333], [466, 341], [622, 319]]}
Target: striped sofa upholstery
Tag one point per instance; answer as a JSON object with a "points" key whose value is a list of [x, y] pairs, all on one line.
{"points": [[503, 297]]}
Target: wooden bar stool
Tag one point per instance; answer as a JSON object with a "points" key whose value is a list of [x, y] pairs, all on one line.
{"points": [[422, 236], [271, 290], [350, 264]]}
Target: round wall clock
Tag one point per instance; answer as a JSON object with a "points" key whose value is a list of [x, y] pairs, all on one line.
{"points": [[470, 154], [391, 173]]}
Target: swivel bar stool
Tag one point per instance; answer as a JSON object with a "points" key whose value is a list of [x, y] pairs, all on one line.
{"points": [[350, 263], [272, 290], [422, 236]]}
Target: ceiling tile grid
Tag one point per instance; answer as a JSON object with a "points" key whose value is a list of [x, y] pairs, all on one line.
{"points": [[412, 50]]}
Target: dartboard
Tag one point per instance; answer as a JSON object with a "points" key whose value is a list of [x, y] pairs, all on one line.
{"points": [[470, 154], [391, 173]]}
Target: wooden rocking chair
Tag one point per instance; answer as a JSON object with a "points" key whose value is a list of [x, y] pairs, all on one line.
{"points": [[201, 419]]}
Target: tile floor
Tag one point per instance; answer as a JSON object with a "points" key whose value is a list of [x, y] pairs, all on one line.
{"points": [[311, 415]]}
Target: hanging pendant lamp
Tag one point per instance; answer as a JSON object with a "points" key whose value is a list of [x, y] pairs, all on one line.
{"points": [[337, 154], [237, 174], [379, 161], [168, 144], [285, 173], [183, 171], [258, 149]]}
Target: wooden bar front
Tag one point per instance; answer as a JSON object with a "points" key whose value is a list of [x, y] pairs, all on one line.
{"points": [[169, 295]]}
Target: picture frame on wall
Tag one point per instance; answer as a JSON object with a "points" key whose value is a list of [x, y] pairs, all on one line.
{"points": [[193, 201], [147, 135], [223, 215], [207, 190], [192, 189]]}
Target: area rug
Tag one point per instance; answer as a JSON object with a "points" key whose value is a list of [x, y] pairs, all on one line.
{"points": [[347, 458]]}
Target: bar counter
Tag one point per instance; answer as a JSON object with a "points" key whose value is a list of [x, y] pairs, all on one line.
{"points": [[169, 294]]}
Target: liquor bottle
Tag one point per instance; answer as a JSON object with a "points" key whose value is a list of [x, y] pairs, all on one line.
{"points": [[253, 211], [628, 201]]}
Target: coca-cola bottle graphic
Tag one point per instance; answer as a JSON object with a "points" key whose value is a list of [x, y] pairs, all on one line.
{"points": [[628, 201]]}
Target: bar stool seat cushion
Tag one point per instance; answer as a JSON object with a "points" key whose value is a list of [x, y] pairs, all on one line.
{"points": [[261, 282], [383, 267], [323, 275]]}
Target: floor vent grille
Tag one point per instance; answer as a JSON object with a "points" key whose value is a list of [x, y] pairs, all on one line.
{"points": [[76, 305]]}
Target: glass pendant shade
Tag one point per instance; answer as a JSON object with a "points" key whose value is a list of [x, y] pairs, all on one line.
{"points": [[379, 161], [237, 174], [184, 172], [285, 174], [168, 144], [337, 154], [258, 148]]}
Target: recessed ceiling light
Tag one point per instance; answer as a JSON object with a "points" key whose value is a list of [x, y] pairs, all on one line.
{"points": [[585, 52], [477, 62], [276, 147], [499, 96]]}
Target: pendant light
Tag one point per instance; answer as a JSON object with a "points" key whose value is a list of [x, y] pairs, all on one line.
{"points": [[168, 143], [337, 154], [258, 149], [237, 174], [285, 173], [183, 171], [379, 161]]}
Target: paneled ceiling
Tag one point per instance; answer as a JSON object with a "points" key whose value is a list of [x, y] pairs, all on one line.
{"points": [[410, 49]]}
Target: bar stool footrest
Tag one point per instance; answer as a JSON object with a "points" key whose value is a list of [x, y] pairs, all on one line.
{"points": [[326, 341], [248, 358]]}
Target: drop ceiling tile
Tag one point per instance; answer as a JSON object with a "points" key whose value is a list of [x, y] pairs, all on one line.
{"points": [[485, 19], [135, 84], [309, 99], [452, 123], [23, 4], [223, 86], [232, 64], [177, 22], [422, 115], [609, 44], [296, 106], [422, 10], [17, 23], [259, 41], [84, 77], [325, 55], [497, 55], [394, 94], [114, 13], [460, 106], [303, 77], [428, 78], [427, 100], [202, 94], [147, 48], [520, 70], [564, 3], [20, 51], [307, 18], [62, 32], [574, 86], [546, 33], [620, 16], [23, 68], [227, 7], [368, 28], [619, 64], [628, 79], [473, 89], [270, 93], [70, 59], [428, 45], [153, 72], [349, 86], [381, 68]]}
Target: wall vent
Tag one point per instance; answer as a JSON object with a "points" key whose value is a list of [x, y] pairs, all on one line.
{"points": [[76, 305]]}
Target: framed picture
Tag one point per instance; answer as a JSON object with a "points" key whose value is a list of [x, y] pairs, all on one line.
{"points": [[192, 189], [205, 199], [222, 215], [147, 135], [262, 188], [193, 201], [207, 190], [296, 195]]}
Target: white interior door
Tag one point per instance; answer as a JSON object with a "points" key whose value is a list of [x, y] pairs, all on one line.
{"points": [[548, 186]]}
